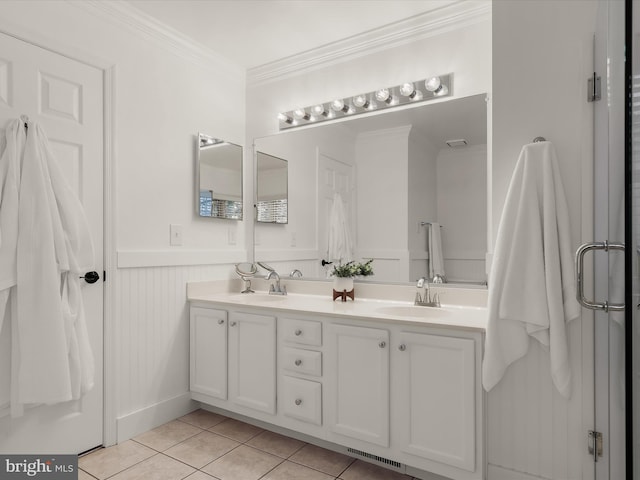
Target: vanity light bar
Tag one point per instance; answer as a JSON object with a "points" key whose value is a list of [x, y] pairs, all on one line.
{"points": [[410, 92]]}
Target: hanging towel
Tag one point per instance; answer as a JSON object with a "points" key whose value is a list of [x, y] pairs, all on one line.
{"points": [[52, 358], [532, 290], [436, 260], [339, 245]]}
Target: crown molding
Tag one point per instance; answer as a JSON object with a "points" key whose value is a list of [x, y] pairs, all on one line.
{"points": [[451, 17], [146, 26]]}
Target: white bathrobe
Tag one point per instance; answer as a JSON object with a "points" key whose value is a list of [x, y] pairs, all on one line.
{"points": [[51, 353], [532, 288]]}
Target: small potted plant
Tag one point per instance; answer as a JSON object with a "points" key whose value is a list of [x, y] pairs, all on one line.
{"points": [[344, 274]]}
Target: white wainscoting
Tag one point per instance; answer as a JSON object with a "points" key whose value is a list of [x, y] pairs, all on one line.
{"points": [[533, 432], [152, 343]]}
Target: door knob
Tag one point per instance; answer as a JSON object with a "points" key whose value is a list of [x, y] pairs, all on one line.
{"points": [[91, 277]]}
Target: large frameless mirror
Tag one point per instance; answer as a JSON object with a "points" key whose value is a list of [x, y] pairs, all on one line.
{"points": [[219, 178], [271, 189]]}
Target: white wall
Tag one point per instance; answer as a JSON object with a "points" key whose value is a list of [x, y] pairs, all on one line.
{"points": [[164, 95], [542, 56]]}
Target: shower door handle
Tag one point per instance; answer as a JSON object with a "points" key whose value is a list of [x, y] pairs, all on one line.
{"points": [[587, 247]]}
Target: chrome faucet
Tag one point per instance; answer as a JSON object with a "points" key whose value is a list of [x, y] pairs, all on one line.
{"points": [[296, 273], [425, 300], [276, 289]]}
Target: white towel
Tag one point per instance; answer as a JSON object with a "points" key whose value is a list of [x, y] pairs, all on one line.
{"points": [[339, 244], [436, 260], [51, 356], [532, 290]]}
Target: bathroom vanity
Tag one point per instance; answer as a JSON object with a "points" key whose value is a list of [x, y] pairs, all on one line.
{"points": [[382, 380]]}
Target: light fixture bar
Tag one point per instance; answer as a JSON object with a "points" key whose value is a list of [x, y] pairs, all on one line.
{"points": [[410, 92]]}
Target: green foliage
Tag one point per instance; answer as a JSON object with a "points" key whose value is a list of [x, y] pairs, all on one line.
{"points": [[353, 269]]}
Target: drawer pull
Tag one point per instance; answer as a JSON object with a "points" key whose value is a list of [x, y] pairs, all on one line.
{"points": [[402, 347], [220, 322], [298, 362], [233, 324], [382, 344], [298, 332], [298, 401]]}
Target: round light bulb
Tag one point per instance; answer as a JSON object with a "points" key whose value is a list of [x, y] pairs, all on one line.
{"points": [[283, 117], [432, 84], [383, 95], [337, 105], [407, 89], [360, 101], [300, 113], [317, 109]]}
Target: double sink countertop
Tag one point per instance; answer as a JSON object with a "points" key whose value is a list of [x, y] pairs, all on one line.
{"points": [[461, 308]]}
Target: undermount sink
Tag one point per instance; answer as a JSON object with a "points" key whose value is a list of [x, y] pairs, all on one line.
{"points": [[414, 311]]}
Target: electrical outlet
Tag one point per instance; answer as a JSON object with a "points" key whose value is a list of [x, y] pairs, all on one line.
{"points": [[293, 239], [175, 232], [231, 236]]}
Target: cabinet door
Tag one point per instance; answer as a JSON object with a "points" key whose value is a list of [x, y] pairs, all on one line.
{"points": [[252, 361], [208, 373], [358, 382], [435, 399]]}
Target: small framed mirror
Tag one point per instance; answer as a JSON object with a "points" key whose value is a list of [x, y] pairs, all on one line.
{"points": [[272, 189], [219, 178]]}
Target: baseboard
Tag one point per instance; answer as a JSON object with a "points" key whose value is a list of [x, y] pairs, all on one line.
{"points": [[153, 416], [499, 473]]}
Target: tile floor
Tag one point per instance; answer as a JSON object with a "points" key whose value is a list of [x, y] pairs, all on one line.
{"points": [[207, 446]]}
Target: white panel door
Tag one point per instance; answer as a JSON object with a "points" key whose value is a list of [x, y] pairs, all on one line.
{"points": [[66, 98], [208, 369], [357, 361], [252, 361]]}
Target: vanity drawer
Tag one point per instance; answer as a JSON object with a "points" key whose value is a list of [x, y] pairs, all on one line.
{"points": [[302, 361], [304, 332], [302, 400]]}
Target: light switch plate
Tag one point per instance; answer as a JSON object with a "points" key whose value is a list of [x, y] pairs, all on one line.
{"points": [[175, 232]]}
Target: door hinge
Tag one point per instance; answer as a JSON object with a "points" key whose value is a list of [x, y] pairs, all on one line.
{"points": [[594, 91], [595, 444]]}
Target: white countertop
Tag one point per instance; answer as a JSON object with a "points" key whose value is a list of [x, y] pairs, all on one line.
{"points": [[227, 294]]}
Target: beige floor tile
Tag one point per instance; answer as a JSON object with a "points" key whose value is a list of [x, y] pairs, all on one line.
{"points": [[243, 463], [200, 476], [326, 461], [203, 418], [236, 430], [360, 470], [108, 461], [292, 471], [167, 435], [201, 449], [82, 475], [158, 467], [276, 444]]}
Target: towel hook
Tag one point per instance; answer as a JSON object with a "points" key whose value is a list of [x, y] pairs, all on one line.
{"points": [[539, 139], [25, 119]]}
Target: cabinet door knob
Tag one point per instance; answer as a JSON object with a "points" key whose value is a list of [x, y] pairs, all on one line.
{"points": [[220, 322], [382, 344], [298, 332], [298, 362], [298, 401], [402, 347], [233, 324]]}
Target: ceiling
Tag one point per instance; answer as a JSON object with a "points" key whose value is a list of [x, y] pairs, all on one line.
{"points": [[251, 33]]}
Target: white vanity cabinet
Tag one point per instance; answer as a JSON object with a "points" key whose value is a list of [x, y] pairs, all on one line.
{"points": [[406, 394], [357, 365]]}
